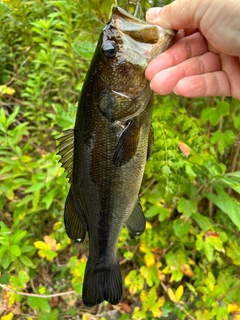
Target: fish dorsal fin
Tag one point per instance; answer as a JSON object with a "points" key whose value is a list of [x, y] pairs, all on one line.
{"points": [[136, 223], [72, 220], [66, 150], [127, 143]]}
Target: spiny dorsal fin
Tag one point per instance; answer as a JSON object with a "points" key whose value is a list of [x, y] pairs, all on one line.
{"points": [[136, 222], [66, 149]]}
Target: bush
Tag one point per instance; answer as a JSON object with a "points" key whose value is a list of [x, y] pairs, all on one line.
{"points": [[186, 264]]}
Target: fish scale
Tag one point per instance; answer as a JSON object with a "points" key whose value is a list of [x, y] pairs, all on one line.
{"points": [[106, 153]]}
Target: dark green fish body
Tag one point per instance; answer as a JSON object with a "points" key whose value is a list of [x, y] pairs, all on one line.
{"points": [[106, 153]]}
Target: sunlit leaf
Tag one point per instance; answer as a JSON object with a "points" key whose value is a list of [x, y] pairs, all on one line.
{"points": [[179, 293], [172, 295], [226, 204]]}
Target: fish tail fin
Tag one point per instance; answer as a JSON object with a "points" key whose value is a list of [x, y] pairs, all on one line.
{"points": [[102, 283]]}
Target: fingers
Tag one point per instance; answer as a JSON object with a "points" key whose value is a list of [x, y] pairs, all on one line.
{"points": [[209, 84], [184, 49], [231, 67], [164, 81], [179, 14]]}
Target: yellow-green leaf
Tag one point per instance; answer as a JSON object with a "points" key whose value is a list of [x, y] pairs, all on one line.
{"points": [[172, 295], [7, 317], [179, 293], [42, 245]]}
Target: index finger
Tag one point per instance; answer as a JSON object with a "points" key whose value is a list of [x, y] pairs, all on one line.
{"points": [[188, 47]]}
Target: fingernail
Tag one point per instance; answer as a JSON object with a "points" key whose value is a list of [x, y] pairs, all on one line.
{"points": [[174, 91], [152, 14]]}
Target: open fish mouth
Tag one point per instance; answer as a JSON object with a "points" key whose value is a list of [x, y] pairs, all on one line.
{"points": [[147, 39]]}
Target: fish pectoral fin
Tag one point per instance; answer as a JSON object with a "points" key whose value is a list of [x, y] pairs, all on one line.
{"points": [[136, 223], [150, 142], [127, 144], [66, 150], [73, 224]]}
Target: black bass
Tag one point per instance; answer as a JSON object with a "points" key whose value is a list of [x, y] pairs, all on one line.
{"points": [[106, 152]]}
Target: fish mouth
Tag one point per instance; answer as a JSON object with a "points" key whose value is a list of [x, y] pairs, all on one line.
{"points": [[151, 38]]}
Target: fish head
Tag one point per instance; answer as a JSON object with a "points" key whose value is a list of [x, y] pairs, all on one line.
{"points": [[126, 46]]}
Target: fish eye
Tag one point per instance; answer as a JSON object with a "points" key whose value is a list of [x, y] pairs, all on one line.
{"points": [[109, 50]]}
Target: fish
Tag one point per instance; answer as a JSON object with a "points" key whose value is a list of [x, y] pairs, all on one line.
{"points": [[106, 152]]}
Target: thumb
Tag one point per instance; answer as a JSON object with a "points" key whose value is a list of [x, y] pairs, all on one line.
{"points": [[180, 14]]}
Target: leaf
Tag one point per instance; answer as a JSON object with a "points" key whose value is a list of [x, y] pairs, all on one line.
{"points": [[36, 187], [42, 245], [203, 222], [18, 236], [186, 206], [223, 139], [39, 304], [208, 250], [149, 259], [181, 227], [236, 121], [15, 250], [210, 114], [9, 316], [233, 252], [187, 270], [134, 281], [52, 242], [152, 211], [19, 281], [84, 49], [213, 115], [6, 90], [53, 315], [185, 149], [226, 204], [163, 214], [179, 293], [150, 274], [27, 262], [172, 295]]}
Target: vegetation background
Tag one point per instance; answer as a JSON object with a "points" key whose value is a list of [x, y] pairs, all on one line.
{"points": [[186, 264]]}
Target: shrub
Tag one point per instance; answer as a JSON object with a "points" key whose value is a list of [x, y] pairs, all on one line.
{"points": [[186, 264]]}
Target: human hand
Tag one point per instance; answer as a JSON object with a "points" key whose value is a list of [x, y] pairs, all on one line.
{"points": [[205, 57]]}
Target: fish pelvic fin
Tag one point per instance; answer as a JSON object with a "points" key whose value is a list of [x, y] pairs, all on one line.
{"points": [[73, 218], [136, 223], [102, 283], [65, 150]]}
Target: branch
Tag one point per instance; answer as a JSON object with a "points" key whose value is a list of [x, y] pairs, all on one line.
{"points": [[43, 296]]}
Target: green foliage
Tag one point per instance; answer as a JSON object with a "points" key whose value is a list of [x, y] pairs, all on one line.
{"points": [[187, 260]]}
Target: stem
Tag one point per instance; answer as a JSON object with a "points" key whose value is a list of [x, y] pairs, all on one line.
{"points": [[43, 296], [137, 7], [210, 205], [147, 188]]}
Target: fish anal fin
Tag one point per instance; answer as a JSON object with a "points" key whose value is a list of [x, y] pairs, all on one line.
{"points": [[72, 220], [136, 222], [150, 142], [66, 150], [127, 143]]}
